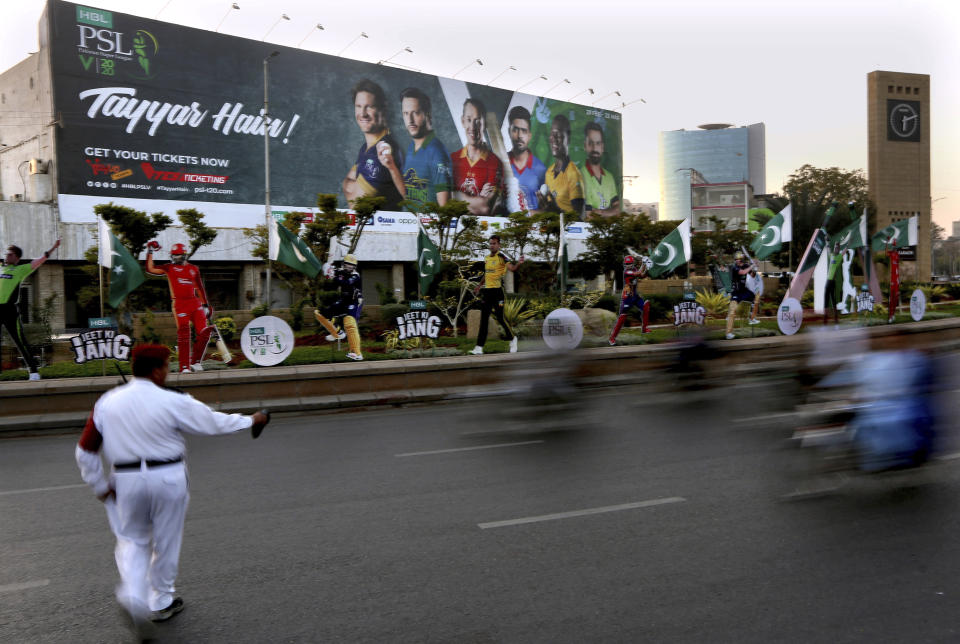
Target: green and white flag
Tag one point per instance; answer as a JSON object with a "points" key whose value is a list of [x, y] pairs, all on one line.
{"points": [[811, 258], [125, 271], [290, 250], [428, 259], [853, 236], [778, 230], [899, 234], [673, 251]]}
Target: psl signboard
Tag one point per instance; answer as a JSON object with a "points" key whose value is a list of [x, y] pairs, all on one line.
{"points": [[161, 117]]}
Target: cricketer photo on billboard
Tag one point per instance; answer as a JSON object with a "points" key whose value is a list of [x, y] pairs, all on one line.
{"points": [[160, 117]]}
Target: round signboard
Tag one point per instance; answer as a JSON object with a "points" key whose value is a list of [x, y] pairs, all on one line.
{"points": [[266, 341], [562, 330], [918, 305], [789, 316]]}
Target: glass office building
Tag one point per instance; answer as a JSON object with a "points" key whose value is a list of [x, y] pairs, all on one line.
{"points": [[713, 154]]}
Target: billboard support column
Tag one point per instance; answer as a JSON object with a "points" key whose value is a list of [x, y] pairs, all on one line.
{"points": [[266, 165]]}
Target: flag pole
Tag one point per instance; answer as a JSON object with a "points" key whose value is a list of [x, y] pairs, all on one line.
{"points": [[103, 364]]}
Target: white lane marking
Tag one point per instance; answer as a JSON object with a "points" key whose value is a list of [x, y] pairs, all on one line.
{"points": [[9, 588], [42, 489], [948, 457], [581, 513], [466, 449]]}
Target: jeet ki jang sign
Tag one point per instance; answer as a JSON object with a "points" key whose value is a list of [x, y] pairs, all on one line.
{"points": [[418, 324], [100, 344], [688, 313]]}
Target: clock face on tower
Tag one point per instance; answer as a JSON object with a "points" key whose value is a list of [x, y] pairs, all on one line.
{"points": [[903, 120]]}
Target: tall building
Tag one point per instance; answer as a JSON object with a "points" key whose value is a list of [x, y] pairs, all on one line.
{"points": [[718, 165], [898, 167]]}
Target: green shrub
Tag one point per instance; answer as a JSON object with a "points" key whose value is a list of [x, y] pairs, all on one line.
{"points": [[296, 314], [543, 305], [515, 311], [660, 305], [933, 293], [385, 293], [260, 309], [226, 326], [715, 304], [388, 312], [608, 302], [149, 334]]}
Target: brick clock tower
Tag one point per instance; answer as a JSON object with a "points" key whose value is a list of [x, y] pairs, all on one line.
{"points": [[898, 169]]}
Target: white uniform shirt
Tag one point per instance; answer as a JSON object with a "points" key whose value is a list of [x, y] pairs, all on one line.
{"points": [[141, 421]]}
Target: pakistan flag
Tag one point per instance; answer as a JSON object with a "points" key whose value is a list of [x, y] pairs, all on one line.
{"points": [[853, 236], [290, 250], [125, 272], [673, 251], [778, 230], [428, 260]]}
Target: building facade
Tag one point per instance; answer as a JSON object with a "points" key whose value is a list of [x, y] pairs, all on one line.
{"points": [[898, 168], [106, 111], [714, 154]]}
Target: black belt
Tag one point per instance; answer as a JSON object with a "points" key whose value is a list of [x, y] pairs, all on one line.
{"points": [[136, 465]]}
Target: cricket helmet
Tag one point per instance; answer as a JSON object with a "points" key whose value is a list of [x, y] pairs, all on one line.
{"points": [[178, 249]]}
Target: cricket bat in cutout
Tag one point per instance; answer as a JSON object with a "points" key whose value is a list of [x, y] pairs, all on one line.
{"points": [[222, 346]]}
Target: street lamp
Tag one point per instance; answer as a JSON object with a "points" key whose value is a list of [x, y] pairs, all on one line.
{"points": [[162, 9], [532, 80], [510, 68], [567, 81], [623, 105], [363, 34], [233, 6], [589, 89], [605, 96], [387, 60], [694, 174], [282, 17], [475, 60], [319, 27], [266, 164]]}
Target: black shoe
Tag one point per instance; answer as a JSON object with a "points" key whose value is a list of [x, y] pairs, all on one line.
{"points": [[164, 614]]}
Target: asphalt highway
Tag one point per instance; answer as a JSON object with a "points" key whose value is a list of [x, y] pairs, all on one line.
{"points": [[657, 522]]}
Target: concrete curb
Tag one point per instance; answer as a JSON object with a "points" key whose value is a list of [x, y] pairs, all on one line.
{"points": [[64, 404]]}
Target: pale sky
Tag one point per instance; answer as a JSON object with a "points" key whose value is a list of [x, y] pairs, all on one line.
{"points": [[800, 67]]}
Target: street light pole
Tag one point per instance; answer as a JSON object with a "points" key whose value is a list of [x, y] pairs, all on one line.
{"points": [[266, 165]]}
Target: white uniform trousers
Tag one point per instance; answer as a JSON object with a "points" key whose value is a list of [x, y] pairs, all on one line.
{"points": [[150, 510]]}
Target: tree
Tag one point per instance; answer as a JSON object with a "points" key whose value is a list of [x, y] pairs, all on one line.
{"points": [[609, 239], [458, 236], [811, 191], [717, 246], [327, 225], [365, 207], [198, 233], [834, 184], [134, 229], [937, 237]]}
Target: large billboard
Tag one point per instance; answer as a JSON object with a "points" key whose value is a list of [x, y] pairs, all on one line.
{"points": [[161, 117]]}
